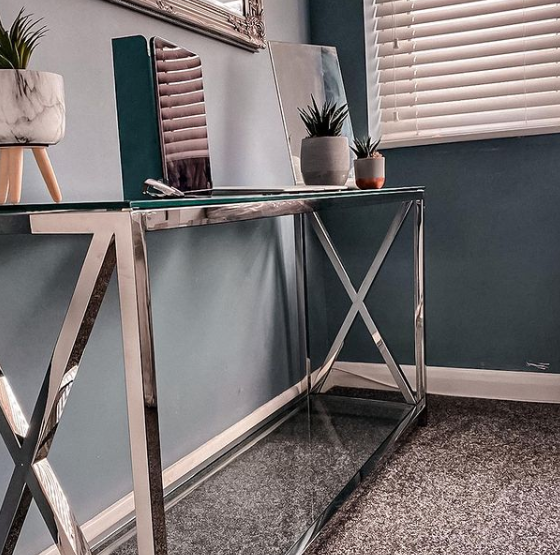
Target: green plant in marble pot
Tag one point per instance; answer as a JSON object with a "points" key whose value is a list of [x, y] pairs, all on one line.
{"points": [[32, 109], [324, 152], [369, 165]]}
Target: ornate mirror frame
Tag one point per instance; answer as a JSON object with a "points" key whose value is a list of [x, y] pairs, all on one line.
{"points": [[247, 30]]}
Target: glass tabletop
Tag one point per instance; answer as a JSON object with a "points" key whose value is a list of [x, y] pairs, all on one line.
{"points": [[269, 196], [217, 200]]}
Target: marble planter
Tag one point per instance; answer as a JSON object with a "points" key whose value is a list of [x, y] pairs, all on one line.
{"points": [[370, 172], [325, 160], [32, 110]]}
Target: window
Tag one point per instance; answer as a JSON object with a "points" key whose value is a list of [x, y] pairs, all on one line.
{"points": [[452, 70]]}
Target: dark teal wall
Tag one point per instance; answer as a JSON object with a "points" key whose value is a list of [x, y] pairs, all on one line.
{"points": [[341, 24], [493, 256], [492, 238]]}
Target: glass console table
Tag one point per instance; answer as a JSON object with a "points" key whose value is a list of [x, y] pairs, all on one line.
{"points": [[273, 489]]}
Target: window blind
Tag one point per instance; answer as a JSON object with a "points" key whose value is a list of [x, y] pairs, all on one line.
{"points": [[449, 70]]}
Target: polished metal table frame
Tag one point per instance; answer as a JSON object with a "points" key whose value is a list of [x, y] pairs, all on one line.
{"points": [[118, 241]]}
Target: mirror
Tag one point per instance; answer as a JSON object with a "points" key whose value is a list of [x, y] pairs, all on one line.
{"points": [[239, 22], [236, 6], [181, 116], [302, 70]]}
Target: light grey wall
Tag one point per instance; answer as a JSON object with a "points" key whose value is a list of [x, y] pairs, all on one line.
{"points": [[245, 128], [223, 310]]}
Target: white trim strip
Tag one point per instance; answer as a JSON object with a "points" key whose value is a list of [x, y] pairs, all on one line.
{"points": [[534, 387]]}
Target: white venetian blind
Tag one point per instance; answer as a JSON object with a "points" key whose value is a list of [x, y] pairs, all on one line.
{"points": [[447, 70]]}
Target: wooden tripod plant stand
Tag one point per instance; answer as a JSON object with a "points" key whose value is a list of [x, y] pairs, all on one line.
{"points": [[11, 173], [32, 117]]}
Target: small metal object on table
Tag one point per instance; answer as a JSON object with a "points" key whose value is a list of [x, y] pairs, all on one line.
{"points": [[118, 233]]}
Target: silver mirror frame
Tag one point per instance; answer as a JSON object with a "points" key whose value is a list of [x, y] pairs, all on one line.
{"points": [[246, 31]]}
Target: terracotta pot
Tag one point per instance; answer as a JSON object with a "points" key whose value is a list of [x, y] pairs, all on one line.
{"points": [[32, 110], [325, 160], [370, 172]]}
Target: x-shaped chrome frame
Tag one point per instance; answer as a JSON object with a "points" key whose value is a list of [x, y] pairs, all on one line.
{"points": [[358, 302], [117, 241], [29, 443], [317, 379]]}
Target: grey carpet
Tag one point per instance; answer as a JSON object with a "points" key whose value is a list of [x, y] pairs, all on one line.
{"points": [[482, 479], [263, 501]]}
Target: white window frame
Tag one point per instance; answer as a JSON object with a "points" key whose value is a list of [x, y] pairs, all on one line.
{"points": [[374, 99]]}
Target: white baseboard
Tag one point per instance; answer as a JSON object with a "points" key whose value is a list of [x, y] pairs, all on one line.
{"points": [[458, 382], [536, 387]]}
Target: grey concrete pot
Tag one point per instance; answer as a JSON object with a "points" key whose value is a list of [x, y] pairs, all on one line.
{"points": [[325, 160], [32, 109], [370, 172]]}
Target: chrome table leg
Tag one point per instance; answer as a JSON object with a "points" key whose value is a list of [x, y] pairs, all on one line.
{"points": [[134, 291], [301, 293], [419, 328], [132, 273]]}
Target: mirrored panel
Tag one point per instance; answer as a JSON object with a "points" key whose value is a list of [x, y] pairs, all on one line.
{"points": [[303, 70], [182, 117]]}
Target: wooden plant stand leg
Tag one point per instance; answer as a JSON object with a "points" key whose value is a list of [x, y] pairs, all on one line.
{"points": [[45, 166], [4, 174], [15, 174]]}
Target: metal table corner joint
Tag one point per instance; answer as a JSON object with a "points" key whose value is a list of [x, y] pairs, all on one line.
{"points": [[118, 243]]}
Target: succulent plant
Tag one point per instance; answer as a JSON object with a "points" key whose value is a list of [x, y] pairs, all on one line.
{"points": [[365, 148], [326, 121], [18, 43]]}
